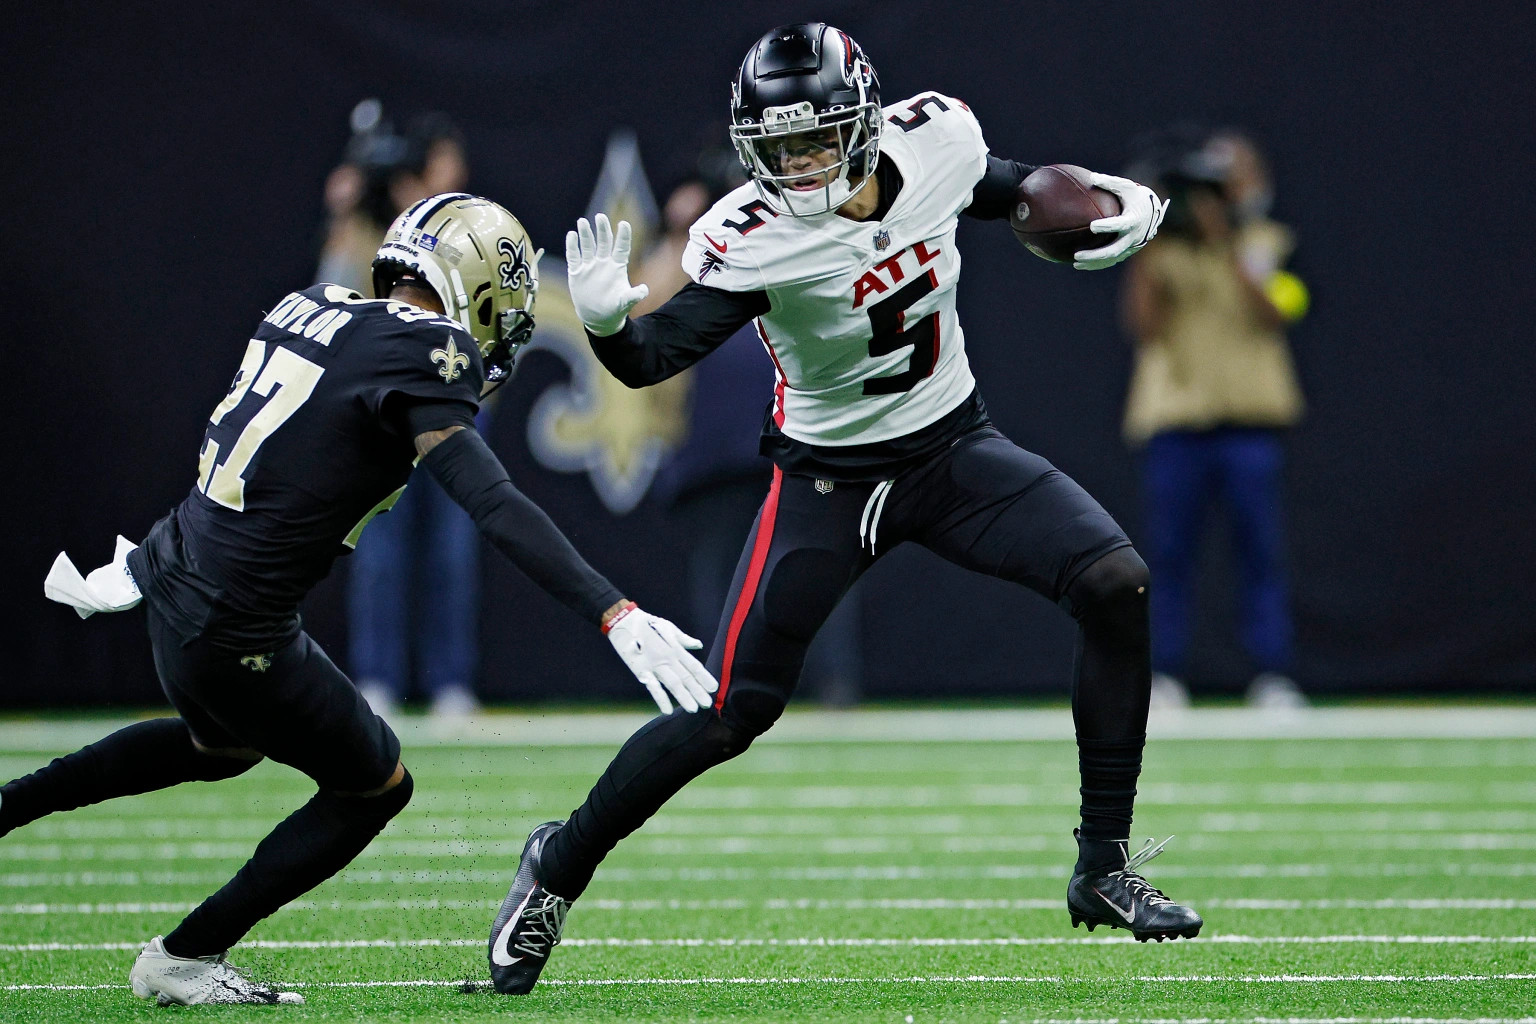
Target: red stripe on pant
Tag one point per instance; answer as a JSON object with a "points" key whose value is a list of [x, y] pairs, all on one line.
{"points": [[748, 593]]}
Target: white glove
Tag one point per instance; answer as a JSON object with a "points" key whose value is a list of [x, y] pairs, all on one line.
{"points": [[598, 267], [109, 588], [657, 653], [1140, 214]]}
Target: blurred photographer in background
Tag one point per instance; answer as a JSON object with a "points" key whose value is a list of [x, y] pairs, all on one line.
{"points": [[413, 597], [1212, 392]]}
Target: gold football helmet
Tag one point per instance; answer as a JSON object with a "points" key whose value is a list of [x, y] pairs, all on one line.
{"points": [[479, 261]]}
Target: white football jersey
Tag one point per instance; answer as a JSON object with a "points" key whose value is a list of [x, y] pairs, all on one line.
{"points": [[862, 326]]}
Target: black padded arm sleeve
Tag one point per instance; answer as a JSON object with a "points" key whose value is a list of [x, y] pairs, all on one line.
{"points": [[411, 418], [473, 477], [691, 325], [997, 191]]}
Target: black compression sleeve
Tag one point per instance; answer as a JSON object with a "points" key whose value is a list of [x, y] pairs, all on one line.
{"points": [[691, 325], [473, 477], [997, 191]]}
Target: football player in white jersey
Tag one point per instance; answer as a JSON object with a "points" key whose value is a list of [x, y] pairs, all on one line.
{"points": [[841, 249]]}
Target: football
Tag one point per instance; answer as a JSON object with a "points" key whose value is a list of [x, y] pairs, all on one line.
{"points": [[1055, 206]]}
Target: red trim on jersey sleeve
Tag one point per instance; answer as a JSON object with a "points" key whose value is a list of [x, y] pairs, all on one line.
{"points": [[760, 546], [778, 370]]}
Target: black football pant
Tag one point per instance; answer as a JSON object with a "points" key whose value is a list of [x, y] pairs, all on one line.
{"points": [[292, 705], [984, 504]]}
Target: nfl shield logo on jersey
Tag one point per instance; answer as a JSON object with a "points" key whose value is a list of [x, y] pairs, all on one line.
{"points": [[823, 486], [882, 240]]}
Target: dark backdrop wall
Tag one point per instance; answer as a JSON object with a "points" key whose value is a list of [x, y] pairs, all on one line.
{"points": [[163, 168]]}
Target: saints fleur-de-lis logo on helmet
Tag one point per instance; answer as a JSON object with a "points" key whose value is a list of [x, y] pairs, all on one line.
{"points": [[515, 270], [453, 361]]}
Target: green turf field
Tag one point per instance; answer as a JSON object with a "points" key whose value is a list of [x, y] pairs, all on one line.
{"points": [[1343, 879]]}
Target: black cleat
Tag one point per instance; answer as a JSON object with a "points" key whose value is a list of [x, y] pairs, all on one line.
{"points": [[1121, 898], [528, 926]]}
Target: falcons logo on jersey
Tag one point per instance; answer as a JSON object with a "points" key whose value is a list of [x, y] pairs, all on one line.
{"points": [[710, 264]]}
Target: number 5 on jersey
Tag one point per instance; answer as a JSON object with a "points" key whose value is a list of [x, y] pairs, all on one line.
{"points": [[294, 379]]}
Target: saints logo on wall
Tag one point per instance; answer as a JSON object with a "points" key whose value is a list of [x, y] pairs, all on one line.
{"points": [[591, 423]]}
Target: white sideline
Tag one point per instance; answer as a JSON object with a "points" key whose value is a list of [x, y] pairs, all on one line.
{"points": [[1055, 904], [810, 943], [1011, 725]]}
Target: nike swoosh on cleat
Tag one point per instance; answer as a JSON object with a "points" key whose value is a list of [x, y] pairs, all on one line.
{"points": [[499, 954], [716, 244], [1129, 917]]}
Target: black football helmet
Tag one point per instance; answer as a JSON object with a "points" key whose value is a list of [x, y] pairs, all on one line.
{"points": [[805, 118]]}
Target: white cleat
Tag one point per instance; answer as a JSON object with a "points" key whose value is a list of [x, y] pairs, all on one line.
{"points": [[173, 980]]}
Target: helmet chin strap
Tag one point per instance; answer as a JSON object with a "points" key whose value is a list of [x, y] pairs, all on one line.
{"points": [[811, 202]]}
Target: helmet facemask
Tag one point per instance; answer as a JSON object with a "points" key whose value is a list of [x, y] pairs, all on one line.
{"points": [[514, 329], [774, 150]]}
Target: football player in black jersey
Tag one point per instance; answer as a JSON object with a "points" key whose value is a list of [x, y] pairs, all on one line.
{"points": [[337, 398], [841, 250]]}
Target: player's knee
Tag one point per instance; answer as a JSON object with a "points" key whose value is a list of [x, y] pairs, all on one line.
{"points": [[375, 809], [749, 712], [725, 740], [1113, 589], [393, 800]]}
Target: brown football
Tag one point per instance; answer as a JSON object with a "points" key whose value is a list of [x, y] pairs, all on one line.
{"points": [[1054, 208]]}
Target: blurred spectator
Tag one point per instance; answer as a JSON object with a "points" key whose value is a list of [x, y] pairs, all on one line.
{"points": [[414, 587], [1212, 392], [715, 483]]}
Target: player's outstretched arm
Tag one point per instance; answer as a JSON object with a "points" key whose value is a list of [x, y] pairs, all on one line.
{"points": [[654, 649], [652, 348]]}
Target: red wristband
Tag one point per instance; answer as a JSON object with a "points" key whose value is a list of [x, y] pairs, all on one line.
{"points": [[629, 606]]}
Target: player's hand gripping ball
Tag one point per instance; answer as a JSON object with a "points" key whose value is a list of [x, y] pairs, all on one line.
{"points": [[1063, 215], [1056, 204]]}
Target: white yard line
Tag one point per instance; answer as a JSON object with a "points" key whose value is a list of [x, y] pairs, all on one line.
{"points": [[917, 842], [942, 979], [817, 942], [1005, 725], [181, 907], [891, 873], [1192, 798], [1273, 825], [1515, 830]]}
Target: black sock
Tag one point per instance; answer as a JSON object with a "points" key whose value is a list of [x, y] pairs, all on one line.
{"points": [[1110, 691], [306, 848], [141, 758], [1100, 854], [1109, 772], [664, 756]]}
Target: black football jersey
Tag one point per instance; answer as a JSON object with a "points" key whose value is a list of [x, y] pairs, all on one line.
{"points": [[306, 447]]}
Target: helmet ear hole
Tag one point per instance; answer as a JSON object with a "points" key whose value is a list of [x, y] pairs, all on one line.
{"points": [[483, 314]]}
